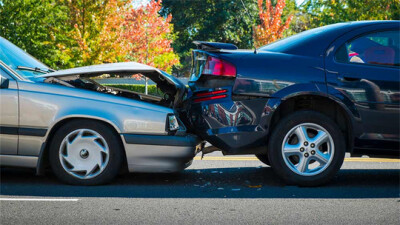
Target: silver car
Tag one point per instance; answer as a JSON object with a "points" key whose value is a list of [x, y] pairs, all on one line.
{"points": [[87, 133]]}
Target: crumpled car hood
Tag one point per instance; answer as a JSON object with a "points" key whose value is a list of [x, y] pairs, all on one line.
{"points": [[94, 70], [125, 67]]}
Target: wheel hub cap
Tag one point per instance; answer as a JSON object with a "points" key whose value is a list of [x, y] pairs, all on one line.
{"points": [[84, 153]]}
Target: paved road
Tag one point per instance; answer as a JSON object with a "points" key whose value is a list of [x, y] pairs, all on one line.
{"points": [[218, 190]]}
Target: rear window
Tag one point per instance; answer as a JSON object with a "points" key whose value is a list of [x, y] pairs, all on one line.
{"points": [[299, 39]]}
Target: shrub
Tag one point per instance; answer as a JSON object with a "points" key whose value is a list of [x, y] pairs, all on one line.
{"points": [[152, 89]]}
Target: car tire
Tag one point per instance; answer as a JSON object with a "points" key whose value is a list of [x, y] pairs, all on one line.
{"points": [[85, 152], [296, 158], [264, 159]]}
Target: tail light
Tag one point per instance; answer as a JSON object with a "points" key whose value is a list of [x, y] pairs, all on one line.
{"points": [[203, 94], [211, 95], [219, 67]]}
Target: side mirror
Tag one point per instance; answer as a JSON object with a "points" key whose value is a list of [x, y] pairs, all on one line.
{"points": [[4, 82]]}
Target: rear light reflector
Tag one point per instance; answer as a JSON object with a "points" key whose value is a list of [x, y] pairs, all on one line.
{"points": [[210, 98], [202, 94], [210, 95], [219, 67]]}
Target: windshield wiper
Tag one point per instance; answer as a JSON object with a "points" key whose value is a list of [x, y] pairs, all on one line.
{"points": [[35, 69]]}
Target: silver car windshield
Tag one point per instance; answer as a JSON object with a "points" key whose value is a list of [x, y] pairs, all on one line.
{"points": [[20, 61]]}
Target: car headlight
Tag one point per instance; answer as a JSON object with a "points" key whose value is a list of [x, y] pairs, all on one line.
{"points": [[172, 123]]}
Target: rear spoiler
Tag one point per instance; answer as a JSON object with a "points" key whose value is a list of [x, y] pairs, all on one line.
{"points": [[214, 46]]}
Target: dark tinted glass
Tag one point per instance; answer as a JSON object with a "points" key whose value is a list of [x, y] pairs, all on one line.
{"points": [[298, 39], [380, 48]]}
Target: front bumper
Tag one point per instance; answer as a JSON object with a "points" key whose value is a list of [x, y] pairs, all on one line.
{"points": [[158, 153]]}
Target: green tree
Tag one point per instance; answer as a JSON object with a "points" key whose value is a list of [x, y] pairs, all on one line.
{"points": [[70, 33], [324, 12], [66, 33], [213, 20], [96, 31], [209, 20], [36, 26]]}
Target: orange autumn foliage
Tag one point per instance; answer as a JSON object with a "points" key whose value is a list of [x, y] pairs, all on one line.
{"points": [[150, 36], [98, 30], [106, 31], [271, 27]]}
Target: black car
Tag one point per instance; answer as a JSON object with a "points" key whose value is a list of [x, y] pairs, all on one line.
{"points": [[300, 103]]}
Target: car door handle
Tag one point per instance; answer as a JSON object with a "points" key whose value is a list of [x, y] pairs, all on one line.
{"points": [[348, 79]]}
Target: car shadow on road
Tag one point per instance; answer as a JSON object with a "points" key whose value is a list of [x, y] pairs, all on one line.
{"points": [[245, 182]]}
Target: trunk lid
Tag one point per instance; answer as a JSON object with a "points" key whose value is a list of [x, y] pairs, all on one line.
{"points": [[214, 65], [202, 58]]}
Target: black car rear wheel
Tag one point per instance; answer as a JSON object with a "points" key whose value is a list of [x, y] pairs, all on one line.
{"points": [[263, 158], [306, 148]]}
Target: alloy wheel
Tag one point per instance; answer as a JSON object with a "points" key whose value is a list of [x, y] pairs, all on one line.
{"points": [[308, 149]]}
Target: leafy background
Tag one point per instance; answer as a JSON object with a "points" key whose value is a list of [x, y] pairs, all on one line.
{"points": [[71, 33]]}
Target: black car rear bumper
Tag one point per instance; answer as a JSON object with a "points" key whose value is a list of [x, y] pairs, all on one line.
{"points": [[235, 127]]}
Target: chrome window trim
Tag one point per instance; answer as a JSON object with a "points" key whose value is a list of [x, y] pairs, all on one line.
{"points": [[11, 72]]}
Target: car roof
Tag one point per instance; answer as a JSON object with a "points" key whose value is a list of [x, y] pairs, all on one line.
{"points": [[315, 41]]}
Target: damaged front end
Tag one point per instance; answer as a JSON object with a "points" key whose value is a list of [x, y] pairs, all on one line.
{"points": [[172, 91]]}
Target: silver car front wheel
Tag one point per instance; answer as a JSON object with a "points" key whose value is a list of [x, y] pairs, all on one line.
{"points": [[84, 153]]}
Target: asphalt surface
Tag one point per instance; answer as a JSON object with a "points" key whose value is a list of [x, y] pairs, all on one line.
{"points": [[217, 190]]}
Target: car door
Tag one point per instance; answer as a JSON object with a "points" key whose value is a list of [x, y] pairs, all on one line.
{"points": [[8, 114], [365, 68]]}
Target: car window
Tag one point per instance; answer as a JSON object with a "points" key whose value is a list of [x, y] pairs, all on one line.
{"points": [[13, 57], [380, 48], [4, 74], [299, 39]]}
